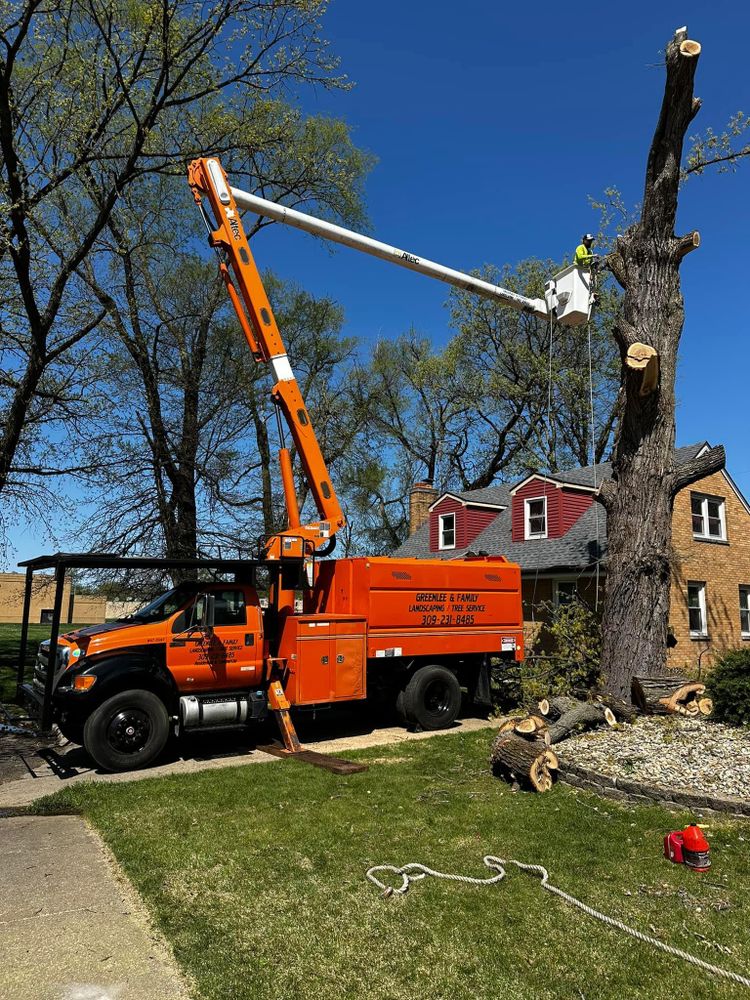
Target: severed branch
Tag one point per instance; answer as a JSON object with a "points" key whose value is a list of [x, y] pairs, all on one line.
{"points": [[697, 468]]}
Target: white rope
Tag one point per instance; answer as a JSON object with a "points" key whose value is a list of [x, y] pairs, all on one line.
{"points": [[414, 871], [593, 466]]}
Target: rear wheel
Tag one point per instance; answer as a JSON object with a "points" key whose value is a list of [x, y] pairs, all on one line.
{"points": [[431, 699], [127, 731]]}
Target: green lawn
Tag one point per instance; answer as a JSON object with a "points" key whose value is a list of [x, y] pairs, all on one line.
{"points": [[10, 637], [257, 876]]}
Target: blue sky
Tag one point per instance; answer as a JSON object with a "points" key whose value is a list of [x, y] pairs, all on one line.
{"points": [[492, 124]]}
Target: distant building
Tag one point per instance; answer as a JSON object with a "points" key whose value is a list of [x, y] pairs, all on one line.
{"points": [[78, 608], [556, 531]]}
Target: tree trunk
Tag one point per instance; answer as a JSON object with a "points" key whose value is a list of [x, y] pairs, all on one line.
{"points": [[638, 499]]}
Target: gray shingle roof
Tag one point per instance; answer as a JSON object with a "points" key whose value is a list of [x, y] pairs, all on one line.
{"points": [[575, 550]]}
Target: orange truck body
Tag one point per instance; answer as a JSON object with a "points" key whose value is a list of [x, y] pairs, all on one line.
{"points": [[366, 624], [379, 610]]}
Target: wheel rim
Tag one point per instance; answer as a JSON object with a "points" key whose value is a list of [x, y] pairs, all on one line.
{"points": [[437, 697], [129, 730]]}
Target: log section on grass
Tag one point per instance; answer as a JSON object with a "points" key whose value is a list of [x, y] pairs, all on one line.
{"points": [[516, 759]]}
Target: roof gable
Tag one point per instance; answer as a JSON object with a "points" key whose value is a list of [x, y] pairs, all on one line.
{"points": [[557, 482], [465, 501]]}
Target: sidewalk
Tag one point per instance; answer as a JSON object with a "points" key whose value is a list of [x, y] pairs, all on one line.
{"points": [[74, 766], [71, 926]]}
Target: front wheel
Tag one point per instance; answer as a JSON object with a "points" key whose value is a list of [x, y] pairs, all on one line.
{"points": [[127, 731], [431, 699]]}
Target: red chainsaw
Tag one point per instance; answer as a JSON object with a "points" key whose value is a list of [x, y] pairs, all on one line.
{"points": [[688, 847]]}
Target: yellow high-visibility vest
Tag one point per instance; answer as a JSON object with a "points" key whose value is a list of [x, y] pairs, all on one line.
{"points": [[583, 255]]}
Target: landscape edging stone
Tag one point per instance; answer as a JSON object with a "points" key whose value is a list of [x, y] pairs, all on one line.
{"points": [[642, 793]]}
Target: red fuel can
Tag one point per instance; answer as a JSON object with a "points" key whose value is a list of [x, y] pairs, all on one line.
{"points": [[695, 850]]}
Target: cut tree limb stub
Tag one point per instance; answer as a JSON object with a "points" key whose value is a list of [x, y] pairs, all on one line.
{"points": [[644, 358]]}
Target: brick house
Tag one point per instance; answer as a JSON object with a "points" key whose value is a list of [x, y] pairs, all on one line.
{"points": [[553, 527]]}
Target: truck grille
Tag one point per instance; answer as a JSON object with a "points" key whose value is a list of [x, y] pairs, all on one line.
{"points": [[42, 663]]}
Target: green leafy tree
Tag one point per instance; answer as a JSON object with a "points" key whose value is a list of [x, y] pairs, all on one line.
{"points": [[97, 98], [485, 408]]}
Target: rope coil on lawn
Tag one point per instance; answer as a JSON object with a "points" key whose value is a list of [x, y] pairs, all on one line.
{"points": [[414, 871]]}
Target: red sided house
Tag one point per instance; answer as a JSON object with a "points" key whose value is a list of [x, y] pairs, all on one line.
{"points": [[553, 527]]}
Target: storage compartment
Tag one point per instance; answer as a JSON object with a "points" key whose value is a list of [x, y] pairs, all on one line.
{"points": [[325, 658]]}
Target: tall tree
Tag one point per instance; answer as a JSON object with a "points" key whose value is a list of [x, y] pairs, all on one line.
{"points": [[95, 95], [638, 500], [181, 441]]}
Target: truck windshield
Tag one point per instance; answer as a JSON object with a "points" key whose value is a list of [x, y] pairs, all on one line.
{"points": [[164, 606]]}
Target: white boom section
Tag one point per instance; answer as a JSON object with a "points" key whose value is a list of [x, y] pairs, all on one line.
{"points": [[375, 248]]}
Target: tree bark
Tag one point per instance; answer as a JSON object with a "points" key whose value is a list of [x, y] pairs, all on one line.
{"points": [[528, 763], [639, 497], [584, 715]]}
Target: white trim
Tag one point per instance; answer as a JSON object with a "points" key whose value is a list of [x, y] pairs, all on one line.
{"points": [[701, 585], [282, 370], [736, 489], [744, 588], [527, 535], [465, 503], [558, 483], [706, 536], [441, 518]]}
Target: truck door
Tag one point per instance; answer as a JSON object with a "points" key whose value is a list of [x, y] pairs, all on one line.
{"points": [[228, 658]]}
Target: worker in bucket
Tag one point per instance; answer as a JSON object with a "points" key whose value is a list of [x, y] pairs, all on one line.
{"points": [[584, 258]]}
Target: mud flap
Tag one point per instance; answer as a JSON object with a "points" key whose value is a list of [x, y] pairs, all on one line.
{"points": [[482, 693]]}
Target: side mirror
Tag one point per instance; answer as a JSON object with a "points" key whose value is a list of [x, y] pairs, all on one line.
{"points": [[210, 612]]}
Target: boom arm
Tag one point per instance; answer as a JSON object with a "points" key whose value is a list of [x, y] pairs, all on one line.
{"points": [[248, 296]]}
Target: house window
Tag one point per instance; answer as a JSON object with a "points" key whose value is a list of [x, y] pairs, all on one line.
{"points": [[745, 612], [564, 591], [447, 531], [697, 609], [535, 518], [709, 522]]}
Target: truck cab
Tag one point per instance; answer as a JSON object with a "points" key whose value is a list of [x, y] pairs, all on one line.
{"points": [[192, 658]]}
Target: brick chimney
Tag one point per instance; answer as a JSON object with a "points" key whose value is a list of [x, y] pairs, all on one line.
{"points": [[421, 496]]}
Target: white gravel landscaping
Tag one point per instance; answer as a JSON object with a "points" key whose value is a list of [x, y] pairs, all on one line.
{"points": [[670, 751]]}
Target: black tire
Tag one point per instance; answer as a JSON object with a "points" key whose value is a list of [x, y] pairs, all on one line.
{"points": [[431, 699], [127, 731]]}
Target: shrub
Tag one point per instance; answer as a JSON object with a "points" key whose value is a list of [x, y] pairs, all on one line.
{"points": [[565, 657], [728, 685]]}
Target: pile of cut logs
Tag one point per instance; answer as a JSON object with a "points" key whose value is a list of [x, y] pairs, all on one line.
{"points": [[521, 751]]}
